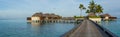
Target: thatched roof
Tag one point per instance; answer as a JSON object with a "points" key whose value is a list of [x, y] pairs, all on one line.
{"points": [[50, 15], [106, 15], [91, 14], [37, 14], [45, 15]]}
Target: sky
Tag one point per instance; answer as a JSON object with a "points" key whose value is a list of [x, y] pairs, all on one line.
{"points": [[20, 9]]}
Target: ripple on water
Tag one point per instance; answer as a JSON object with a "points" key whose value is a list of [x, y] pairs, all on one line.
{"points": [[20, 28], [113, 26]]}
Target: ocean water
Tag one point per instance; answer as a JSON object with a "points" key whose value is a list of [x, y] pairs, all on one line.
{"points": [[113, 26], [20, 28]]}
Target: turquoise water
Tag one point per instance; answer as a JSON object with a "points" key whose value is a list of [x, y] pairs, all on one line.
{"points": [[20, 28], [113, 26]]}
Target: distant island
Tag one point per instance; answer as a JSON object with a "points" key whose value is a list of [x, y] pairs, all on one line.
{"points": [[48, 17], [94, 11]]}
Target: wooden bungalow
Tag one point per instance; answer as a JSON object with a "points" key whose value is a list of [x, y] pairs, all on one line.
{"points": [[37, 17], [41, 17], [108, 17]]}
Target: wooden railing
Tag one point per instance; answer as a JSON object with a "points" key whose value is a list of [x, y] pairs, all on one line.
{"points": [[109, 33]]}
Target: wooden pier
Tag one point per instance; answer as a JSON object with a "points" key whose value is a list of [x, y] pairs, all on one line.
{"points": [[89, 28], [53, 21]]}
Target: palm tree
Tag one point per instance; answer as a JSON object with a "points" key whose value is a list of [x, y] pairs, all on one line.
{"points": [[93, 9], [87, 11], [99, 9], [81, 8], [92, 6]]}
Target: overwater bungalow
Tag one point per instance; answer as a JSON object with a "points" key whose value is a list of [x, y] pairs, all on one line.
{"points": [[108, 17], [40, 17], [37, 17], [51, 16]]}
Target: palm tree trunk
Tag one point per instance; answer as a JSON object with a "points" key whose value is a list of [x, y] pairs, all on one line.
{"points": [[81, 12]]}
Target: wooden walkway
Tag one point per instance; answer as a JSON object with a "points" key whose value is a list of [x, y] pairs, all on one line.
{"points": [[87, 29]]}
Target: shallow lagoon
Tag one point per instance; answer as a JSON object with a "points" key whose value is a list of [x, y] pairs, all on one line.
{"points": [[20, 28], [113, 26]]}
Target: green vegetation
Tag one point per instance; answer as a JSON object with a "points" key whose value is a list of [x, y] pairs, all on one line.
{"points": [[94, 17], [78, 16], [93, 8], [81, 8]]}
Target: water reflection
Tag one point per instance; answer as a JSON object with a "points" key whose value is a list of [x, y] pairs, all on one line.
{"points": [[113, 26], [106, 22], [34, 24], [35, 27], [20, 28], [109, 23], [49, 29]]}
